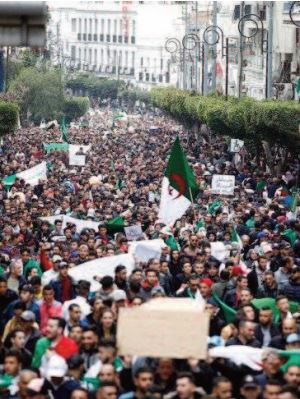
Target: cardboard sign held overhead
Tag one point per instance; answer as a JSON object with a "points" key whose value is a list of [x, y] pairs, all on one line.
{"points": [[164, 327], [134, 232], [236, 145], [223, 184]]}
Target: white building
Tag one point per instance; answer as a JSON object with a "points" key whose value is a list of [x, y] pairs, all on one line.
{"points": [[124, 39]]}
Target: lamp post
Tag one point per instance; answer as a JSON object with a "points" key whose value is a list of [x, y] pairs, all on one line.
{"points": [[264, 45], [217, 35]]}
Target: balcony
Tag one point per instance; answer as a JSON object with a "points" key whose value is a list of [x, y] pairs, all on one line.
{"points": [[101, 37], [108, 38], [84, 37], [89, 37], [114, 38], [120, 38], [95, 38], [79, 36], [132, 39], [125, 39]]}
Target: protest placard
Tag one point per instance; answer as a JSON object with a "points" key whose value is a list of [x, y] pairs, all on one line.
{"points": [[133, 232], [236, 145], [146, 249], [223, 184], [219, 251], [77, 154], [164, 327]]}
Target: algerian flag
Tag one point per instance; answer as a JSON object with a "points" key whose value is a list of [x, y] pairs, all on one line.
{"points": [[214, 206], [240, 355], [294, 203], [228, 312], [64, 130], [292, 358], [48, 147], [179, 187], [235, 237], [31, 176], [115, 225]]}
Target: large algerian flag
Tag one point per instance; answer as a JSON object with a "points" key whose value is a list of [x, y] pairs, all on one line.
{"points": [[179, 187], [31, 176], [48, 147]]}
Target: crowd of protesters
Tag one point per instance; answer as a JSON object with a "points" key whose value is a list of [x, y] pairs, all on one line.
{"points": [[58, 339]]}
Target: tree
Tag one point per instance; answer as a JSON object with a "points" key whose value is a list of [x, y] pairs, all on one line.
{"points": [[44, 93], [75, 107], [9, 114]]}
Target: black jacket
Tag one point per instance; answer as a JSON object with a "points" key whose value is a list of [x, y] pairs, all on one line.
{"points": [[259, 334], [267, 292], [291, 290], [254, 343]]}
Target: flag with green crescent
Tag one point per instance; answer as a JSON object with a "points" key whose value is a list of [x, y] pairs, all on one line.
{"points": [[179, 186]]}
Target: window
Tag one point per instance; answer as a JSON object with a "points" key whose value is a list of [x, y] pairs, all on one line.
{"points": [[297, 35], [96, 26], [90, 55], [115, 26], [287, 6], [142, 62], [236, 12], [132, 59], [161, 64], [73, 24], [90, 25], [85, 26], [102, 26], [73, 53], [120, 58], [121, 27], [108, 26], [108, 56], [95, 57], [133, 28], [102, 57], [114, 57], [84, 57], [126, 59], [79, 25], [79, 54], [247, 9]]}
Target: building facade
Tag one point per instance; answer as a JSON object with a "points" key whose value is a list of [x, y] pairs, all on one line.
{"points": [[124, 40]]}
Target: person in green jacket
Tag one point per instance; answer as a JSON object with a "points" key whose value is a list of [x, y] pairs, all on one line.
{"points": [[29, 263]]}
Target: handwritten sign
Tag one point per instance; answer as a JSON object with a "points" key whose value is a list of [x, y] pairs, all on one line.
{"points": [[133, 233], [236, 145], [223, 184]]}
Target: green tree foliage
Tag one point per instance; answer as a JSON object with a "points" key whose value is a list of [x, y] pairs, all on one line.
{"points": [[274, 121], [75, 107], [92, 86], [44, 93], [9, 113]]}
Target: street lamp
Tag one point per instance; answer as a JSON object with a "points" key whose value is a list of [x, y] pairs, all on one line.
{"points": [[258, 24], [217, 35]]}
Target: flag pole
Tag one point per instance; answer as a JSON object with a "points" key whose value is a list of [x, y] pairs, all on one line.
{"points": [[192, 199]]}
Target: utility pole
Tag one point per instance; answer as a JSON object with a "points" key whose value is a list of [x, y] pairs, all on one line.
{"points": [[214, 52], [205, 74], [270, 51], [240, 66], [197, 48]]}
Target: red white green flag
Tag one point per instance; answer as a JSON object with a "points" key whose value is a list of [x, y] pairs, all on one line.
{"points": [[179, 187]]}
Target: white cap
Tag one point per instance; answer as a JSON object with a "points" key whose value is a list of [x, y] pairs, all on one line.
{"points": [[57, 367]]}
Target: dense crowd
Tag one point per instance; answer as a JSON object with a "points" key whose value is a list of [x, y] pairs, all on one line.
{"points": [[58, 338]]}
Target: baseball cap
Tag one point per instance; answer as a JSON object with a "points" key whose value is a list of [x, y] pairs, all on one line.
{"points": [[57, 367], [119, 295], [28, 315], [249, 381], [62, 265], [293, 338], [56, 258]]}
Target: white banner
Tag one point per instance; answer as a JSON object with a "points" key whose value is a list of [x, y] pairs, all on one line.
{"points": [[223, 184], [34, 174], [236, 145], [80, 224], [101, 267], [77, 154], [146, 249]]}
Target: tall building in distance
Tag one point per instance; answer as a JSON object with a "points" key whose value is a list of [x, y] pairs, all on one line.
{"points": [[121, 39]]}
